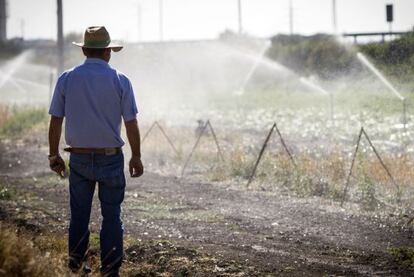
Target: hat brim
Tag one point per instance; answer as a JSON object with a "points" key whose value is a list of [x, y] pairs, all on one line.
{"points": [[113, 46]]}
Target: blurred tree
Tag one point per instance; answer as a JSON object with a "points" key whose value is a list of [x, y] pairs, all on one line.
{"points": [[319, 54], [73, 36], [395, 58]]}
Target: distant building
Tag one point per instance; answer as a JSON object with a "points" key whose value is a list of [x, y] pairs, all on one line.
{"points": [[3, 21]]}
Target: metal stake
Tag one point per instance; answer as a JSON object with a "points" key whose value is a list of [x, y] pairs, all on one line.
{"points": [[352, 166], [261, 154], [380, 160], [194, 147], [284, 146], [148, 132], [405, 114], [216, 141], [331, 107], [167, 138], [156, 124]]}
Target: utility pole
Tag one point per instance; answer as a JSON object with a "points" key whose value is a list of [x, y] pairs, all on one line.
{"points": [[240, 16], [22, 27], [139, 18], [161, 15], [60, 53], [334, 18], [3, 21], [290, 17]]}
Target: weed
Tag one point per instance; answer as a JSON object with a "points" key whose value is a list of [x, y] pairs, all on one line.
{"points": [[6, 193], [403, 256]]}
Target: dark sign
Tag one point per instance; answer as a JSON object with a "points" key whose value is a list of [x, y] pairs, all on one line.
{"points": [[390, 13]]}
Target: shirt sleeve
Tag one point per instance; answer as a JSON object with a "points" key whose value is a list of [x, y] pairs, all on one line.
{"points": [[128, 105], [57, 105]]}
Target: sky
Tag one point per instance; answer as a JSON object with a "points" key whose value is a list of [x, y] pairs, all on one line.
{"points": [[133, 20]]}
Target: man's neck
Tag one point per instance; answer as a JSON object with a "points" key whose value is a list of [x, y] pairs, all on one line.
{"points": [[99, 58]]}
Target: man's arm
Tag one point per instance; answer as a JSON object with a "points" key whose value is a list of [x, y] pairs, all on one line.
{"points": [[56, 163], [136, 168]]}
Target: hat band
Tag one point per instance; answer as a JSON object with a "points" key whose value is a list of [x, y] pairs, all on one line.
{"points": [[97, 43]]}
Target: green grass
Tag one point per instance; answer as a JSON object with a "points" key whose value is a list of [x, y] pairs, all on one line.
{"points": [[403, 256], [23, 120], [376, 100], [6, 193]]}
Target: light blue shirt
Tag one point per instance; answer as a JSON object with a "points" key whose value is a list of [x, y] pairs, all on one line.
{"points": [[93, 98]]}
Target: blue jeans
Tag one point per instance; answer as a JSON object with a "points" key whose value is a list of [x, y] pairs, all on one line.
{"points": [[108, 171]]}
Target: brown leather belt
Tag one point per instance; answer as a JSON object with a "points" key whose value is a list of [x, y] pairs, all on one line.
{"points": [[101, 151]]}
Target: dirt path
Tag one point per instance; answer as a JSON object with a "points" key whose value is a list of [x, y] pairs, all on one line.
{"points": [[267, 233]]}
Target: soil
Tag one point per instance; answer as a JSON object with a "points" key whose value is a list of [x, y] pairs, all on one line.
{"points": [[243, 232]]}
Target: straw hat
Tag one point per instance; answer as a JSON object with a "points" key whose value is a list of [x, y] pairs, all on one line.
{"points": [[98, 37]]}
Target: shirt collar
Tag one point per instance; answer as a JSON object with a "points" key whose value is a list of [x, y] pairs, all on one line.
{"points": [[95, 60]]}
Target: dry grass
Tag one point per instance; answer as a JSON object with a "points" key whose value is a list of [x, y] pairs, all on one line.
{"points": [[23, 254], [4, 115], [323, 175]]}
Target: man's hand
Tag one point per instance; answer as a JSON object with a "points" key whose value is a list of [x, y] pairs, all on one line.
{"points": [[136, 168], [57, 164]]}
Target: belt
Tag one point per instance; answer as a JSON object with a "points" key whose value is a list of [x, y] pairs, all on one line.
{"points": [[101, 151]]}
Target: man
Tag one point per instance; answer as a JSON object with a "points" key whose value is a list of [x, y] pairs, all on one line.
{"points": [[93, 98]]}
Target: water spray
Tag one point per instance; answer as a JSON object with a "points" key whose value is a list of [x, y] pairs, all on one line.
{"points": [[315, 87], [384, 80], [254, 67], [13, 65]]}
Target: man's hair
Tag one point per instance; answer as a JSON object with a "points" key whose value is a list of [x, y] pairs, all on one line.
{"points": [[93, 52]]}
